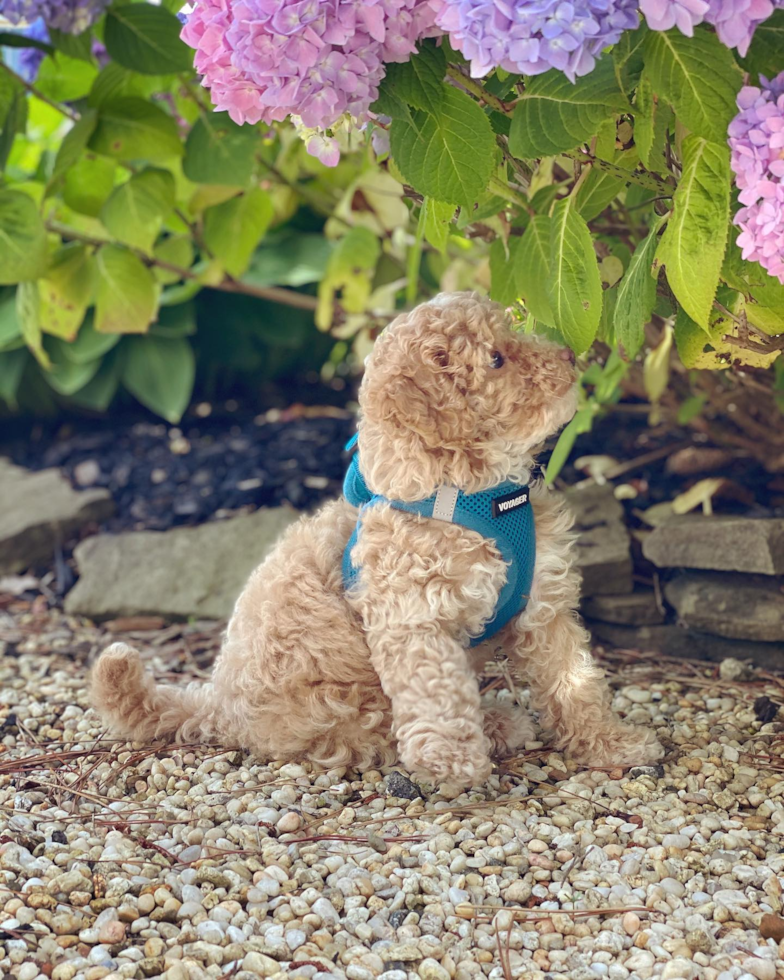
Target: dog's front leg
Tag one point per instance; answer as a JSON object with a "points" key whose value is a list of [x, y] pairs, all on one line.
{"points": [[436, 710]]}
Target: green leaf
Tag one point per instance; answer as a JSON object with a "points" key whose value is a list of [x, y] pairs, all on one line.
{"points": [[115, 82], [505, 270], [126, 294], [418, 82], [98, 393], [627, 56], [160, 374], [580, 424], [349, 270], [600, 188], [637, 295], [67, 378], [22, 238], [656, 369], [574, 286], [291, 260], [554, 115], [764, 56], [175, 321], [66, 291], [74, 144], [10, 40], [89, 345], [438, 222], [232, 230], [448, 155], [765, 306], [146, 39], [10, 127], [652, 119], [65, 79], [692, 247], [132, 129], [176, 250], [136, 210], [10, 327], [533, 268], [218, 151], [12, 365], [73, 45], [27, 310], [88, 183], [697, 75]]}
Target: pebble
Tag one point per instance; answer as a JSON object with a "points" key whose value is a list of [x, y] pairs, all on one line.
{"points": [[392, 891]]}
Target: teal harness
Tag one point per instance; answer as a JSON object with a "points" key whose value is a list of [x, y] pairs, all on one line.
{"points": [[503, 514]]}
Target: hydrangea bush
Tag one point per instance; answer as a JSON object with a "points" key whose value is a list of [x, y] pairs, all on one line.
{"points": [[610, 170]]}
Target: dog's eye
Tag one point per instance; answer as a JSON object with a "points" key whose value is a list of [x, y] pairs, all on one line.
{"points": [[496, 359]]}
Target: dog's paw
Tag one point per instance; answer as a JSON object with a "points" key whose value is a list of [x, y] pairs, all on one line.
{"points": [[445, 755], [508, 729], [621, 745]]}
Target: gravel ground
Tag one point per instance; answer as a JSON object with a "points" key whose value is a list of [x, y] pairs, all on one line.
{"points": [[122, 860]]}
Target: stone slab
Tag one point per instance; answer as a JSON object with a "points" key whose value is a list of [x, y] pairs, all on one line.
{"points": [[603, 544], [674, 641], [742, 607], [180, 573], [638, 608], [723, 544], [38, 510]]}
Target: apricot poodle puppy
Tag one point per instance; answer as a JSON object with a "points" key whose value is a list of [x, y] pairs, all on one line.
{"points": [[378, 660]]}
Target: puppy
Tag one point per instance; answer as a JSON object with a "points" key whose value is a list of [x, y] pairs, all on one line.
{"points": [[385, 666]]}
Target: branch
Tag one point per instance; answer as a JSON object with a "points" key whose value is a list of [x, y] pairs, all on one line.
{"points": [[28, 86], [502, 189], [644, 180], [275, 294], [471, 85]]}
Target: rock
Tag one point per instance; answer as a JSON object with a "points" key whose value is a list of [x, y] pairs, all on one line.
{"points": [[638, 608], [743, 607], [603, 546], [180, 573], [724, 544], [112, 932], [401, 786], [674, 641], [40, 510], [772, 927]]}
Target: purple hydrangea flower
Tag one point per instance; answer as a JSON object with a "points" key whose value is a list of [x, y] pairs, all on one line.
{"points": [[70, 16], [532, 36], [756, 138], [735, 20], [264, 60]]}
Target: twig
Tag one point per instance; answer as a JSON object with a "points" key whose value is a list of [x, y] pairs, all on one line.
{"points": [[275, 294], [479, 91], [64, 110], [630, 176]]}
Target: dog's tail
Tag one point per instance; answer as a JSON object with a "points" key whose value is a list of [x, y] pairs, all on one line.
{"points": [[133, 705]]}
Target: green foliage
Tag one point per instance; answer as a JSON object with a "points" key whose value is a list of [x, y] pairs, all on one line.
{"points": [[148, 243]]}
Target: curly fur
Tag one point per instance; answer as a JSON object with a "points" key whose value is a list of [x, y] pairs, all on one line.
{"points": [[384, 672]]}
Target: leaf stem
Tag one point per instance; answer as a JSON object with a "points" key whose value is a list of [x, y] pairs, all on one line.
{"points": [[29, 87], [502, 189], [275, 294], [479, 91], [632, 176]]}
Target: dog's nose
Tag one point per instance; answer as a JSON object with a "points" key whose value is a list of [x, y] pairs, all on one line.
{"points": [[568, 355]]}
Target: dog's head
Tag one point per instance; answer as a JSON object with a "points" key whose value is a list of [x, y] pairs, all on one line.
{"points": [[452, 395]]}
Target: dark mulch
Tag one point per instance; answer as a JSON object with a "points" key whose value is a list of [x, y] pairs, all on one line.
{"points": [[163, 476]]}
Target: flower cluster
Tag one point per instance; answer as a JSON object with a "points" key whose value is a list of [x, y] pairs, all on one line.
{"points": [[264, 60], [756, 138], [532, 36], [70, 16], [735, 20]]}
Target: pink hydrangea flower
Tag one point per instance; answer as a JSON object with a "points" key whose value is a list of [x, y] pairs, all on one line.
{"points": [[756, 138], [264, 60]]}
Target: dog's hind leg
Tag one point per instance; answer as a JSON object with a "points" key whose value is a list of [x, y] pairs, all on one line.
{"points": [[130, 701]]}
